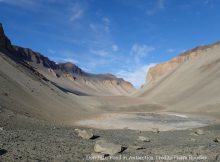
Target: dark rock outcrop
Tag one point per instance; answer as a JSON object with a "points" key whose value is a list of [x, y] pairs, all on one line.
{"points": [[5, 43]]}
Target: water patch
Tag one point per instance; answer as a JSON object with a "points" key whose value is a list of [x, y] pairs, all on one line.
{"points": [[145, 121]]}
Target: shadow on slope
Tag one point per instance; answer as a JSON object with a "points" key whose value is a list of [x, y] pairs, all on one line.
{"points": [[66, 90]]}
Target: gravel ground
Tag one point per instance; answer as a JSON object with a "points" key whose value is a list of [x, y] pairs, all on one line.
{"points": [[59, 144]]}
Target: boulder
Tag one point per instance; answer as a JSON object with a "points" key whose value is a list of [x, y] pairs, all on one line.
{"points": [[199, 132], [156, 130], [3, 151], [84, 134], [1, 128], [144, 139], [77, 130], [217, 158], [107, 148], [217, 139]]}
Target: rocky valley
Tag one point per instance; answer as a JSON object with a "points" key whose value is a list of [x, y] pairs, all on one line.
{"points": [[58, 112]]}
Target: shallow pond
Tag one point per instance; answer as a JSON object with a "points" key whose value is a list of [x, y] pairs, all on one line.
{"points": [[146, 121]]}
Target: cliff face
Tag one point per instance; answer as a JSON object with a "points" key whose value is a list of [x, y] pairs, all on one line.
{"points": [[71, 71], [35, 61], [163, 68], [187, 83], [5, 43], [30, 56]]}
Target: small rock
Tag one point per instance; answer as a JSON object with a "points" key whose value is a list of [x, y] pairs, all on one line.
{"points": [[5, 94], [3, 151], [156, 130], [102, 146], [217, 158], [192, 139], [84, 134], [217, 139], [199, 132], [138, 131], [76, 130], [136, 147], [144, 139], [1, 128]]}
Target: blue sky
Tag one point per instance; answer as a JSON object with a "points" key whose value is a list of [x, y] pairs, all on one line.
{"points": [[123, 37]]}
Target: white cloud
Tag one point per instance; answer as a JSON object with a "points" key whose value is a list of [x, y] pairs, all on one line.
{"points": [[101, 53], [51, 51], [93, 27], [140, 51], [171, 50], [159, 6], [106, 24], [61, 59], [100, 40], [114, 47], [77, 13], [102, 27], [93, 63], [71, 60], [106, 20], [206, 2], [105, 52], [137, 76], [63, 56], [27, 4]]}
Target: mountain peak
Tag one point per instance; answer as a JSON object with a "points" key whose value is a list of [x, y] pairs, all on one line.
{"points": [[69, 67], [2, 36], [5, 43], [69, 64]]}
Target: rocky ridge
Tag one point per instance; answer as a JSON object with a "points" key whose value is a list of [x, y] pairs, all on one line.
{"points": [[164, 68], [33, 60]]}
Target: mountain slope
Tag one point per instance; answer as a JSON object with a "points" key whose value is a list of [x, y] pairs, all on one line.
{"points": [[66, 75], [188, 83], [34, 89], [72, 78]]}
